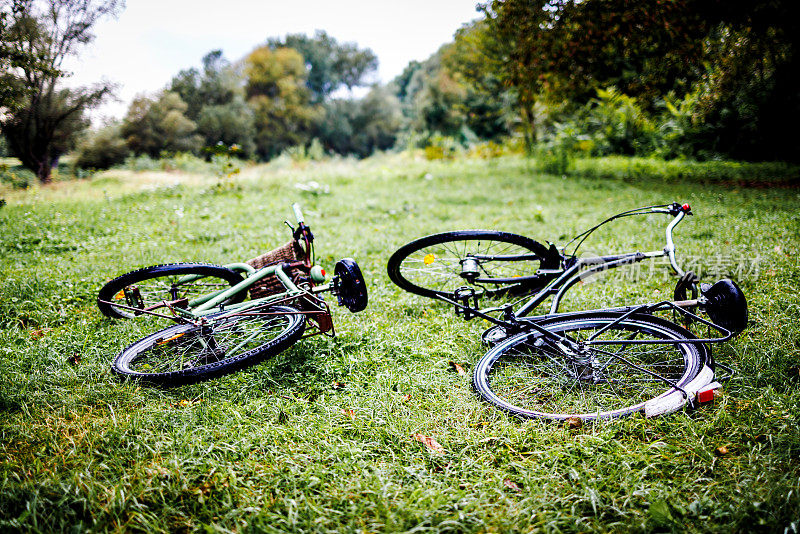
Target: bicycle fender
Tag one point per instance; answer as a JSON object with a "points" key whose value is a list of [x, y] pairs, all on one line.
{"points": [[674, 401]]}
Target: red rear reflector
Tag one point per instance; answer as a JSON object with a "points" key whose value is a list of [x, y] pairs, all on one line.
{"points": [[686, 207], [705, 396], [323, 272]]}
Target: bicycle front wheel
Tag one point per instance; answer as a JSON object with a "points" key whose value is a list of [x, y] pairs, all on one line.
{"points": [[439, 264], [530, 376], [226, 342], [151, 285]]}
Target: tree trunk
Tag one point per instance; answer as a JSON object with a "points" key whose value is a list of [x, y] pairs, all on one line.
{"points": [[528, 127], [43, 171]]}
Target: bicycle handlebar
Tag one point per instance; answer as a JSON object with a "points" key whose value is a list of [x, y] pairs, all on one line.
{"points": [[679, 212], [670, 248], [297, 213]]}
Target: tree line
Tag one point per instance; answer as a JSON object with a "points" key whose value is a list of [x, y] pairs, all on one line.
{"points": [[671, 78]]}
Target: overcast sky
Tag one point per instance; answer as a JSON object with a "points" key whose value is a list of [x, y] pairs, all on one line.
{"points": [[154, 39]]}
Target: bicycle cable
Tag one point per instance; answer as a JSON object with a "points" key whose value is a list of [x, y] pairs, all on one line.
{"points": [[629, 213]]}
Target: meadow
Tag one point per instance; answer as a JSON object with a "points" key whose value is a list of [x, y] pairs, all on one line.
{"points": [[321, 437]]}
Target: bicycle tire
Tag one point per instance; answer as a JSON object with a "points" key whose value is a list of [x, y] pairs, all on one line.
{"points": [[168, 356], [161, 285], [431, 266], [532, 378]]}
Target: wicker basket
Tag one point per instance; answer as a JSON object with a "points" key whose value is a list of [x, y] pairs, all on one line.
{"points": [[270, 285]]}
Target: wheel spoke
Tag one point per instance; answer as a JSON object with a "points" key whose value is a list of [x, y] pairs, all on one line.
{"points": [[223, 340], [542, 379], [436, 267]]}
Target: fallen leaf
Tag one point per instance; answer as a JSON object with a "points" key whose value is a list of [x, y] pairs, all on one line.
{"points": [[431, 444], [721, 451], [457, 368], [74, 359], [338, 385], [510, 484], [39, 332], [574, 422]]}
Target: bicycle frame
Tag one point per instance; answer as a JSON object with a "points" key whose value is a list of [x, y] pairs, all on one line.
{"points": [[575, 270], [195, 310], [572, 275]]}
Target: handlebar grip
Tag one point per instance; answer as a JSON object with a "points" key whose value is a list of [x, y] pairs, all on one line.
{"points": [[297, 213]]}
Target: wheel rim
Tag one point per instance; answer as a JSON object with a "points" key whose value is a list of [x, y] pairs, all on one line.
{"points": [[193, 348], [437, 268], [535, 379]]}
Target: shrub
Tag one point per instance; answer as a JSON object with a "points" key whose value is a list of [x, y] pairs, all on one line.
{"points": [[554, 160], [142, 162], [182, 161], [616, 167], [17, 178], [102, 149], [442, 147]]}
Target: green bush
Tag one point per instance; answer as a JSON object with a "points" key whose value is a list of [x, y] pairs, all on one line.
{"points": [[554, 160], [16, 177], [442, 147], [142, 162], [735, 172], [182, 161], [102, 149]]}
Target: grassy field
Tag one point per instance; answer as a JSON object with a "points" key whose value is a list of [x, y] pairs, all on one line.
{"points": [[279, 448]]}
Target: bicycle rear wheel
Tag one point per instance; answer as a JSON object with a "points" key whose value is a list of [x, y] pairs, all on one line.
{"points": [[225, 343], [439, 264], [169, 282], [530, 376]]}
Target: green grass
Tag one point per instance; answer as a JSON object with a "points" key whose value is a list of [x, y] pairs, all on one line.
{"points": [[277, 448]]}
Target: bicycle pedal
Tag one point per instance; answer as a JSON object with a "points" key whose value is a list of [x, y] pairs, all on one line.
{"points": [[466, 296]]}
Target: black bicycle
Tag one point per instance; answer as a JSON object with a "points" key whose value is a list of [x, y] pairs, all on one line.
{"points": [[591, 364]]}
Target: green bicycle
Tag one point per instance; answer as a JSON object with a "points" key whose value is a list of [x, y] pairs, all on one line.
{"points": [[218, 329]]}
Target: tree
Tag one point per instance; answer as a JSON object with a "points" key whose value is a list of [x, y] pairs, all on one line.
{"points": [[281, 102], [102, 149], [216, 85], [438, 107], [155, 126], [360, 127], [520, 52], [37, 36], [486, 103], [557, 50], [749, 98], [39, 135], [400, 84], [232, 123], [216, 103], [12, 59], [330, 65]]}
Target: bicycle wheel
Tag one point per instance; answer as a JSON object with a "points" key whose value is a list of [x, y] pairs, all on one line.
{"points": [[227, 342], [152, 285], [531, 376], [438, 264]]}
